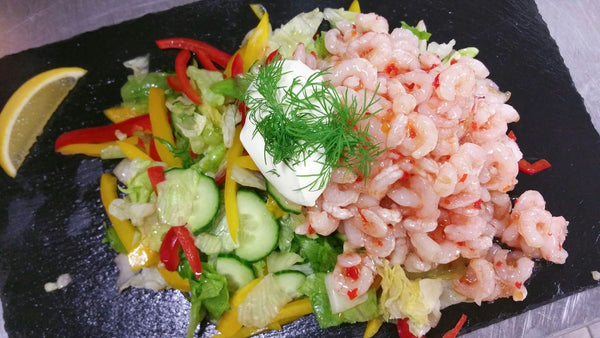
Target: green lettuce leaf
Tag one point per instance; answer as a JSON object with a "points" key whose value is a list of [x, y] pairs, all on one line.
{"points": [[113, 239], [320, 252], [299, 29], [315, 288], [134, 92], [422, 35], [412, 299], [209, 292]]}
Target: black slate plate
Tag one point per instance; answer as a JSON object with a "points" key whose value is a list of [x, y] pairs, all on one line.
{"points": [[51, 215]]}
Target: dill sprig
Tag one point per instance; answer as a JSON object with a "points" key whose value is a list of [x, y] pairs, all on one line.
{"points": [[311, 117]]}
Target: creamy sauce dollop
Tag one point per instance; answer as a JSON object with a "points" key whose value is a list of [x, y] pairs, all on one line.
{"points": [[291, 182]]}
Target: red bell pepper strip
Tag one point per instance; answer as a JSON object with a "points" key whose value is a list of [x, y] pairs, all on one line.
{"points": [[174, 83], [156, 174], [237, 67], [403, 329], [454, 332], [152, 150], [181, 62], [243, 111], [533, 168], [104, 133], [218, 56], [169, 250], [274, 56], [205, 61], [189, 249]]}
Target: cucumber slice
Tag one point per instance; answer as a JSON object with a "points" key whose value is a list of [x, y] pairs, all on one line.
{"points": [[237, 272], [259, 233], [188, 196], [284, 203], [290, 281]]}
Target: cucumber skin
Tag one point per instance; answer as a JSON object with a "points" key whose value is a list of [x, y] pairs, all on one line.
{"points": [[242, 265], [214, 187], [245, 251], [281, 201]]}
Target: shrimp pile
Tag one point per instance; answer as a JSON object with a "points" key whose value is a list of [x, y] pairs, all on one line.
{"points": [[439, 191]]}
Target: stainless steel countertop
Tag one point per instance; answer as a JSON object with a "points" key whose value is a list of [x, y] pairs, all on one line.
{"points": [[573, 24]]}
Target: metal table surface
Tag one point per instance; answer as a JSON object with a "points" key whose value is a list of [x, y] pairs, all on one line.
{"points": [[573, 24]]}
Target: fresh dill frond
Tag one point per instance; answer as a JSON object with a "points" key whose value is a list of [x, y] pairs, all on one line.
{"points": [[310, 117]]}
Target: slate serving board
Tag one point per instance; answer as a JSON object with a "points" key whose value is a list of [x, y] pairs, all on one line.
{"points": [[51, 215]]}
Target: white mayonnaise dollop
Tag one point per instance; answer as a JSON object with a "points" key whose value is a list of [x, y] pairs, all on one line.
{"points": [[287, 180]]}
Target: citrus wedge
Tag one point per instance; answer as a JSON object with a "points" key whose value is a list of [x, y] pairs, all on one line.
{"points": [[29, 108]]}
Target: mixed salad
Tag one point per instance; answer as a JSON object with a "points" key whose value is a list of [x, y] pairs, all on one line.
{"points": [[209, 191]]}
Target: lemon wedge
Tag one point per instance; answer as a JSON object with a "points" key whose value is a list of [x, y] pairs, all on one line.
{"points": [[29, 108]]}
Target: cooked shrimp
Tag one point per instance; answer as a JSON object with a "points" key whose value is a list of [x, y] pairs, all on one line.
{"points": [[374, 47], [372, 22], [478, 283], [356, 283], [456, 80], [421, 136], [357, 67]]}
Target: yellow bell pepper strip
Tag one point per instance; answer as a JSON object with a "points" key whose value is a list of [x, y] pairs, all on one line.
{"points": [[294, 310], [372, 327], [258, 9], [228, 325], [124, 229], [289, 313], [174, 280], [230, 190], [120, 114], [245, 162], [92, 149], [256, 46], [132, 152], [161, 127], [142, 257], [354, 7]]}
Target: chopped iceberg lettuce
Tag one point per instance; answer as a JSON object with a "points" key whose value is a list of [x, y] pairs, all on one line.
{"points": [[315, 288], [417, 300], [299, 29], [334, 16]]}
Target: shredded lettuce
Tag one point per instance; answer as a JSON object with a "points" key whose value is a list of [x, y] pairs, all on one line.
{"points": [[203, 79], [209, 244], [279, 261], [321, 252], [318, 46], [299, 29], [113, 239], [139, 65], [248, 178], [212, 159], [177, 197], [234, 87], [134, 92], [334, 16], [260, 268], [417, 300], [262, 303], [221, 231], [422, 34], [209, 294], [134, 211], [287, 224], [315, 288]]}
